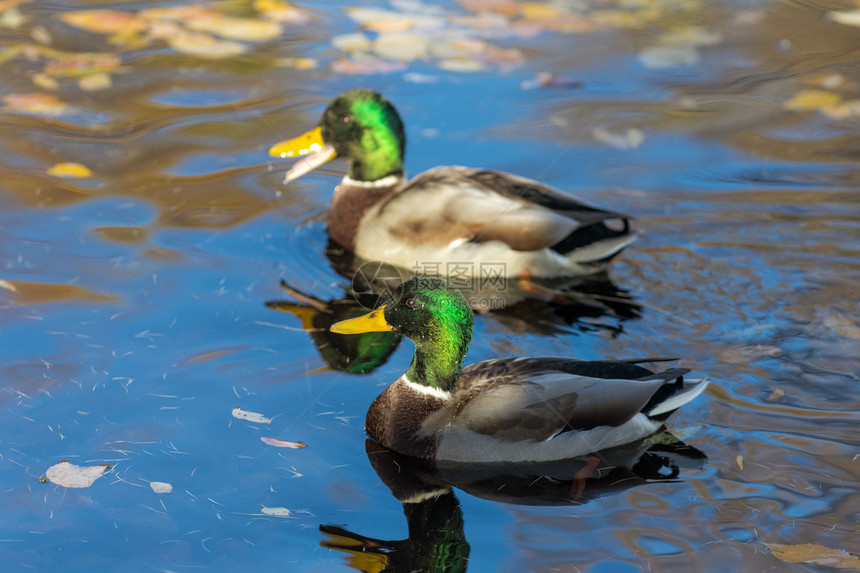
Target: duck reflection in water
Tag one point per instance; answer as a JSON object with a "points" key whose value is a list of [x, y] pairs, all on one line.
{"points": [[523, 303], [360, 354], [436, 540]]}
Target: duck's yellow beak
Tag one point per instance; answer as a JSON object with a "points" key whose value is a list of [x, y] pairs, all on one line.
{"points": [[371, 322], [310, 146]]}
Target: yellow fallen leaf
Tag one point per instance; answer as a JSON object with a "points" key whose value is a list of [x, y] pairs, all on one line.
{"points": [[104, 21], [740, 461], [95, 82], [281, 11], [813, 553], [808, 100], [45, 81], [245, 29], [297, 63], [70, 170]]}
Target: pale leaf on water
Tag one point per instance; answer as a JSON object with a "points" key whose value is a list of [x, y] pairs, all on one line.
{"points": [[161, 487], [275, 511], [845, 17], [104, 21], [68, 474], [255, 417], [814, 553], [205, 46], [282, 444], [245, 29], [628, 140]]}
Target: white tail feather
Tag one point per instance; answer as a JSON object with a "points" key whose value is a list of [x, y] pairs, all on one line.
{"points": [[677, 400]]}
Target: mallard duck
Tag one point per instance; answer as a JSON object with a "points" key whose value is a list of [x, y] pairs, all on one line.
{"points": [[510, 409], [447, 215]]}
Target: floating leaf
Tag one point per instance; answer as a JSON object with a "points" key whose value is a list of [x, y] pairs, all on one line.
{"points": [[70, 170], [297, 63], [180, 12], [364, 64], [283, 12], [380, 20], [657, 57], [45, 81], [549, 80], [81, 64], [275, 511], [12, 18], [241, 414], [161, 487], [628, 140], [245, 29], [282, 444], [813, 553], [809, 100], [503, 7], [95, 82], [401, 46], [68, 474], [205, 46], [104, 21], [846, 17], [740, 462], [354, 42], [35, 103]]}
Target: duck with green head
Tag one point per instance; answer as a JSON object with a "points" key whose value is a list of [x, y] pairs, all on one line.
{"points": [[446, 215], [534, 409]]}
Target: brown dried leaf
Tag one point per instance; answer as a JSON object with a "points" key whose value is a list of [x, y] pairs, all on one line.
{"points": [[813, 553], [35, 104], [70, 64]]}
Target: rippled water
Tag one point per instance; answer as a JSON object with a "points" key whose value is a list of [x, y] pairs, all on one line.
{"points": [[133, 314]]}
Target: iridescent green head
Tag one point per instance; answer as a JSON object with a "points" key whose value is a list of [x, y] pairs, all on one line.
{"points": [[364, 128], [435, 316], [359, 125]]}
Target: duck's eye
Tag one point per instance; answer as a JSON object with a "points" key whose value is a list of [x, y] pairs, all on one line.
{"points": [[411, 303], [346, 120]]}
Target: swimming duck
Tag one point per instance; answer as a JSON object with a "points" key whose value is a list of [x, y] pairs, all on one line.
{"points": [[509, 409], [447, 215]]}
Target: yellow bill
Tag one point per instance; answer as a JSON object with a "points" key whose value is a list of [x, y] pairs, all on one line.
{"points": [[310, 147], [371, 322]]}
